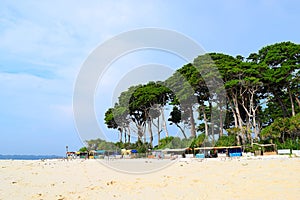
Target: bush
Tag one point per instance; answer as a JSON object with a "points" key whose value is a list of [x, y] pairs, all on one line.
{"points": [[175, 143], [225, 140], [83, 149], [288, 144]]}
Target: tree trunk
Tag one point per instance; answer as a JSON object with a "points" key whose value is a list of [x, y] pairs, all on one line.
{"points": [[125, 135], [283, 107], [120, 135], [128, 135], [164, 124], [238, 139], [292, 102], [255, 126], [182, 131], [237, 111], [297, 99], [236, 124], [212, 123], [140, 131], [157, 127], [150, 132], [158, 132], [248, 128], [144, 134], [192, 120], [221, 121], [205, 120]]}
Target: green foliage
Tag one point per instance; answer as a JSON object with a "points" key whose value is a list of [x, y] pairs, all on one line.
{"points": [[280, 77], [175, 115], [289, 144], [233, 131], [262, 93], [187, 142], [110, 119], [83, 149], [165, 142], [198, 141], [107, 145], [104, 145], [283, 128], [139, 146], [98, 144], [225, 140], [174, 143]]}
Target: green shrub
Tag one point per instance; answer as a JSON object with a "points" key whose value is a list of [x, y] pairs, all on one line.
{"points": [[225, 140]]}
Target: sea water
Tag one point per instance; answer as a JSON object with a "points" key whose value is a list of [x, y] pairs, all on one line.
{"points": [[28, 157]]}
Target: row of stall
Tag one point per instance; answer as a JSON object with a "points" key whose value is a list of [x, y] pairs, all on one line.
{"points": [[198, 152]]}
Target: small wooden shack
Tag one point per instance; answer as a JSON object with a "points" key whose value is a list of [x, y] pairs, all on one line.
{"points": [[265, 149]]}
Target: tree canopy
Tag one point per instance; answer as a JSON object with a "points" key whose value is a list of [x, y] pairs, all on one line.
{"points": [[260, 101]]}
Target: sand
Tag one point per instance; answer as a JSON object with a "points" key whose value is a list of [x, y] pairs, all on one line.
{"points": [[209, 179]]}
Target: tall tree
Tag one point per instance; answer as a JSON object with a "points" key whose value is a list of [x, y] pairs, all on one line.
{"points": [[282, 60], [184, 95]]}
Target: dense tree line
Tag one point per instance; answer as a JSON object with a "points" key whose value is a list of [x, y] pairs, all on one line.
{"points": [[217, 96]]}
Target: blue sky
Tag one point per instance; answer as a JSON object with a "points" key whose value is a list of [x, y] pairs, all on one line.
{"points": [[44, 43]]}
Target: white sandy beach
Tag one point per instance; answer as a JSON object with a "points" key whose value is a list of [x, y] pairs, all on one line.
{"points": [[211, 179]]}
